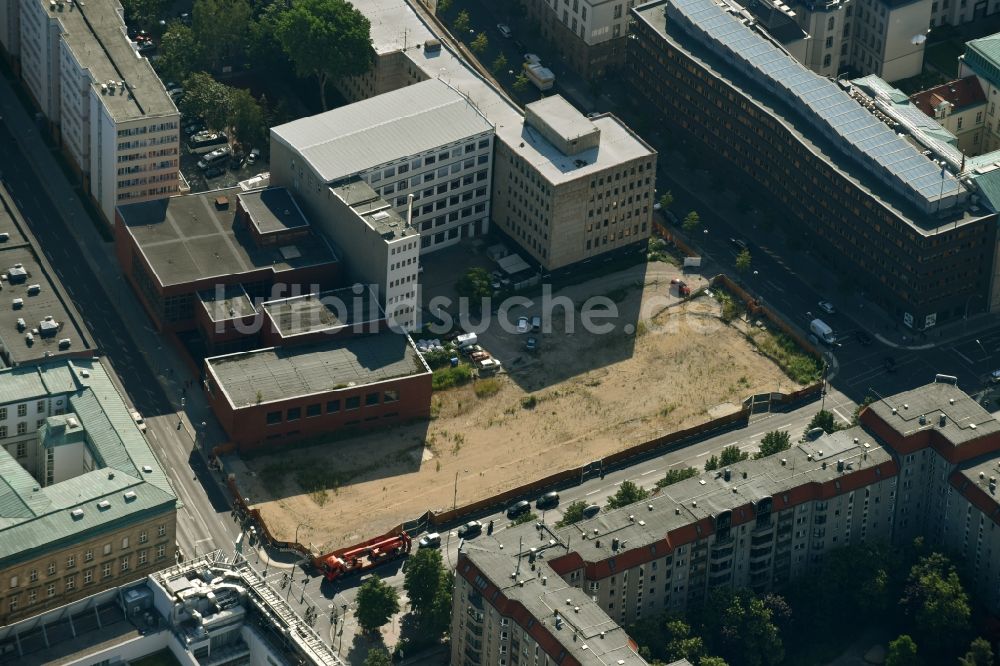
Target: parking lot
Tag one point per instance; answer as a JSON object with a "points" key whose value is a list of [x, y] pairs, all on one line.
{"points": [[228, 176]]}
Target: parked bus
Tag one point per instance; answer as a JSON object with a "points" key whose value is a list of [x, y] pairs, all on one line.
{"points": [[206, 142]]}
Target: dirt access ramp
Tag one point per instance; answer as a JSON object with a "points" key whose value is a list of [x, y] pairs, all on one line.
{"points": [[680, 367]]}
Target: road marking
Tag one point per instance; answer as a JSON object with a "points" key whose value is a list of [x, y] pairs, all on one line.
{"points": [[702, 454], [649, 472], [787, 425], [594, 491], [843, 418], [963, 356]]}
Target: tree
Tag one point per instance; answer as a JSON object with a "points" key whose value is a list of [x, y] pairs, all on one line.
{"points": [[743, 261], [246, 118], [712, 661], [712, 464], [691, 222], [572, 514], [480, 43], [180, 53], [143, 12], [732, 455], [474, 284], [980, 654], [462, 22], [902, 652], [773, 442], [220, 27], [520, 84], [443, 6], [499, 64], [824, 420], [377, 602], [264, 51], [666, 199], [674, 475], [328, 39], [422, 574], [937, 603], [206, 98], [682, 645], [740, 627], [437, 619], [378, 657], [628, 493]]}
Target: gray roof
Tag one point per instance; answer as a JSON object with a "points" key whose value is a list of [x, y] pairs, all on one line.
{"points": [[291, 372], [272, 209], [32, 517], [375, 211], [95, 33], [226, 302], [188, 238], [965, 418], [328, 310], [408, 121]]}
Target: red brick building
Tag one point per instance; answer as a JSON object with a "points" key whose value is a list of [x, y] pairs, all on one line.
{"points": [[344, 384]]}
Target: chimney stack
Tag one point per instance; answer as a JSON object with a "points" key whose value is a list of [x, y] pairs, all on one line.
{"points": [[409, 211]]}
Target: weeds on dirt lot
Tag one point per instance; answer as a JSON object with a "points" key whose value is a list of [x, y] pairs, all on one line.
{"points": [[529, 402], [485, 388], [797, 364], [445, 378]]}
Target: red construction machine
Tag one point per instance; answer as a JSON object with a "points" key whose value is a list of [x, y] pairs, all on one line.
{"points": [[363, 556]]}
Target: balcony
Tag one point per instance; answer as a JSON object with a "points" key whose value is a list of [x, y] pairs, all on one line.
{"points": [[760, 565], [763, 551], [759, 539], [722, 553], [721, 578]]}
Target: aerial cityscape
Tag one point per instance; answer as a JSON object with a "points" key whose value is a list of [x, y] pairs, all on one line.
{"points": [[550, 332]]}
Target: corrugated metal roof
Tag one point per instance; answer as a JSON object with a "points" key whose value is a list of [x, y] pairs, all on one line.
{"points": [[407, 121], [21, 384], [15, 482], [988, 47]]}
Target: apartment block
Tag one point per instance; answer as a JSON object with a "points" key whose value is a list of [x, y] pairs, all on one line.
{"points": [[921, 463], [960, 107], [103, 101], [588, 34], [86, 506], [878, 206]]}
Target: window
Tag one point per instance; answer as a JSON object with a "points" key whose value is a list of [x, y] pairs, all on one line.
{"points": [[161, 551], [161, 530], [390, 396], [70, 583], [124, 564], [107, 549], [142, 537], [273, 417], [106, 569], [32, 596], [41, 406], [33, 575], [50, 591], [827, 60], [353, 402], [314, 410], [293, 414], [88, 576], [3, 413], [71, 561], [13, 604], [51, 568], [22, 428], [371, 399], [13, 582], [88, 556], [960, 122], [22, 447], [332, 406], [22, 410], [142, 558]]}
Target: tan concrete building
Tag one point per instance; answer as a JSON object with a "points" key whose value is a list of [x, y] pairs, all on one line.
{"points": [[924, 462], [84, 504], [960, 107]]}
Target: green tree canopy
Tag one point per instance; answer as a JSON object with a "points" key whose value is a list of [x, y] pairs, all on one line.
{"points": [[422, 577], [712, 661], [499, 64], [681, 644], [474, 284], [247, 119], [980, 654], [741, 628], [206, 98], [666, 199], [677, 474], [691, 221], [743, 260], [377, 602], [378, 657], [220, 28], [461, 23], [143, 13], [437, 618], [732, 455], [773, 442], [520, 83], [902, 652], [572, 514], [937, 603], [825, 420], [328, 39], [628, 493], [480, 43], [263, 48], [180, 53], [712, 463]]}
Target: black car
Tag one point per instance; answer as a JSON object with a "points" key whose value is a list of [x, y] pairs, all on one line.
{"points": [[739, 243], [889, 364], [591, 511], [863, 338], [521, 508], [548, 501], [471, 529]]}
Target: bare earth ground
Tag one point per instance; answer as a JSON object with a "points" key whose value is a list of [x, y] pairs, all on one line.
{"points": [[686, 367]]}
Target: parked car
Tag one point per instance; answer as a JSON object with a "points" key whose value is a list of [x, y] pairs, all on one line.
{"points": [[536, 324], [504, 30], [518, 509], [140, 422], [739, 243], [591, 511], [431, 540], [863, 338], [531, 344], [549, 500], [827, 307], [253, 156], [194, 128], [471, 529], [532, 58], [994, 376], [213, 172], [522, 324]]}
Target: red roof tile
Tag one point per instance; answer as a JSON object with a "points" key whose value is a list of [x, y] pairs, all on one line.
{"points": [[961, 93]]}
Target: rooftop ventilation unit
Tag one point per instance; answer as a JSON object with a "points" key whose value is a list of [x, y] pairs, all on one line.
{"points": [[130, 496], [147, 469], [104, 505], [76, 513]]}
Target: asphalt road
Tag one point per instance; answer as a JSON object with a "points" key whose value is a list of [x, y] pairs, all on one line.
{"points": [[139, 357]]}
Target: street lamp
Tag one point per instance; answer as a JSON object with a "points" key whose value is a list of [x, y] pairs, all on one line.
{"points": [[985, 354]]}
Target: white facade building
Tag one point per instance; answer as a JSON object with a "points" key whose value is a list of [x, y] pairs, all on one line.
{"points": [[98, 93]]}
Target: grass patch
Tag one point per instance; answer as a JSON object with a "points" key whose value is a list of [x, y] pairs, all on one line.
{"points": [[486, 388], [529, 402], [445, 378], [524, 518], [794, 362]]}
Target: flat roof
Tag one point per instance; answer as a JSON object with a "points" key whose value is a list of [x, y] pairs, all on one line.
{"points": [[849, 160], [187, 238], [408, 121], [563, 118], [95, 33], [325, 311], [19, 253], [282, 373], [272, 210], [395, 26], [227, 302], [375, 211], [965, 419]]}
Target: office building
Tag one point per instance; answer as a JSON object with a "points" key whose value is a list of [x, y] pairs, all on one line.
{"points": [[85, 505], [924, 462], [203, 611], [867, 195], [104, 103], [174, 250], [426, 140], [534, 168], [588, 34], [269, 397]]}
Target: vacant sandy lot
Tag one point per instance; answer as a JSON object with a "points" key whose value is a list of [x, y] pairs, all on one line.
{"points": [[679, 367]]}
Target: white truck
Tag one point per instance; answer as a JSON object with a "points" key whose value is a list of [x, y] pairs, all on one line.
{"points": [[542, 77], [466, 340], [822, 331]]}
